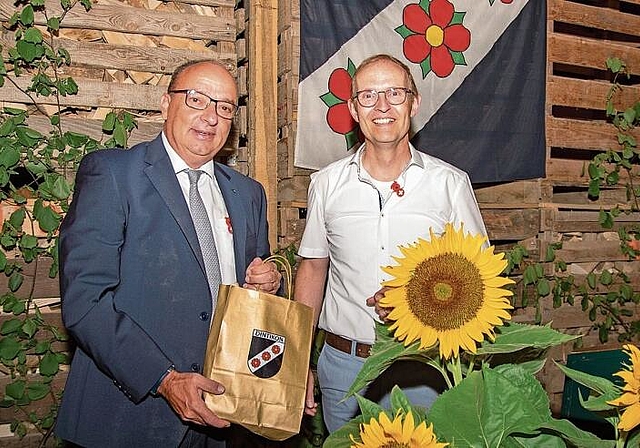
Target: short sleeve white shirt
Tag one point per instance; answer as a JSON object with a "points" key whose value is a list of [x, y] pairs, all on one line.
{"points": [[359, 229]]}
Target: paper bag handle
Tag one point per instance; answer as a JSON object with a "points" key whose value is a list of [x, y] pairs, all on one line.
{"points": [[283, 262]]}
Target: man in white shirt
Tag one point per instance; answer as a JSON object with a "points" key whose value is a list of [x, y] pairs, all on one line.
{"points": [[360, 209]]}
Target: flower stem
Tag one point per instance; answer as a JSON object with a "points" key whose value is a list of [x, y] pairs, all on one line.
{"points": [[456, 368]]}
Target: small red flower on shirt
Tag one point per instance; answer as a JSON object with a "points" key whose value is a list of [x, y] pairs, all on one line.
{"points": [[228, 221], [338, 117], [434, 36]]}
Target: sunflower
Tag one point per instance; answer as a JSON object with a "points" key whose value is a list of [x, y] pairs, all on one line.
{"points": [[630, 398], [401, 433], [447, 290]]}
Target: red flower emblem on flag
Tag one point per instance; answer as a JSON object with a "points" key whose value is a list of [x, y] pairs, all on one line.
{"points": [[338, 117], [434, 37]]}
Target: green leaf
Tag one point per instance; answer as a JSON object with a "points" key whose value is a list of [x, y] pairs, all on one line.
{"points": [[9, 348], [42, 347], [575, 435], [341, 438], [514, 336], [529, 275], [109, 122], [368, 408], [27, 50], [29, 327], [606, 278], [37, 390], [33, 35], [383, 353], [543, 287], [591, 280], [49, 364], [17, 218], [10, 326], [53, 23], [48, 219], [16, 389], [329, 99], [485, 408], [600, 385], [404, 31], [15, 281], [26, 16], [9, 156], [28, 241], [120, 135]]}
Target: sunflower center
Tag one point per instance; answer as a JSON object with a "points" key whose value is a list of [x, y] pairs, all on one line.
{"points": [[445, 291], [442, 291], [435, 35], [394, 444]]}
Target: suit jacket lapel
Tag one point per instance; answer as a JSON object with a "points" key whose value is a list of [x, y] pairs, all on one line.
{"points": [[161, 175], [237, 214]]}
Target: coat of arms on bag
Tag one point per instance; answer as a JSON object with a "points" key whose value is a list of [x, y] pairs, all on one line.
{"points": [[265, 353]]}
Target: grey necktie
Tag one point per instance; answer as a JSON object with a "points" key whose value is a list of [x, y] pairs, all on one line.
{"points": [[205, 235]]}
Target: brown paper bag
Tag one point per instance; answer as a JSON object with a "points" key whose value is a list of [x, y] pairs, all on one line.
{"points": [[258, 348]]}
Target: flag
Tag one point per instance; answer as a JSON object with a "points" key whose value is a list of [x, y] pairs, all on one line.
{"points": [[479, 65]]}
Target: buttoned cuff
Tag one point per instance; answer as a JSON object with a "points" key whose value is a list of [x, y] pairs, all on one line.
{"points": [[154, 390]]}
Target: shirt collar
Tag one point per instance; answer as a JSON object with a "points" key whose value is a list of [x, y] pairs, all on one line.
{"points": [[180, 165], [416, 160]]}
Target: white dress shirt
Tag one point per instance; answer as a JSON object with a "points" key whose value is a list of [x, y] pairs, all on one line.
{"points": [[216, 210]]}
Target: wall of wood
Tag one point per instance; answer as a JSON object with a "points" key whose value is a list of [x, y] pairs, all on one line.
{"points": [[124, 50], [538, 212]]}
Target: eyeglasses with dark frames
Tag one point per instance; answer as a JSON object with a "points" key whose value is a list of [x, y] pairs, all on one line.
{"points": [[394, 95], [200, 101]]}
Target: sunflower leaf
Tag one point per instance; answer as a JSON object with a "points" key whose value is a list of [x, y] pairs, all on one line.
{"points": [[598, 384], [384, 352], [513, 337], [368, 408], [576, 436], [488, 407], [341, 438]]}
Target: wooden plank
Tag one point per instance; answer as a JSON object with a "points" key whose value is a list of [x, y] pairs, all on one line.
{"points": [[145, 59], [510, 193], [582, 221], [92, 93], [123, 18], [587, 94], [263, 93], [593, 17], [511, 225], [581, 251], [591, 53], [582, 134]]}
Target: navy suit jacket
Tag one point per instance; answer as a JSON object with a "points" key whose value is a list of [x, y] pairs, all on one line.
{"points": [[134, 291]]}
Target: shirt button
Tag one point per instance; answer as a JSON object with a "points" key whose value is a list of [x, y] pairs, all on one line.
{"points": [[204, 315], [195, 367], [382, 247]]}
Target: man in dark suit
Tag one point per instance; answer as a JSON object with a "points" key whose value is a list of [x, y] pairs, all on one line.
{"points": [[135, 294]]}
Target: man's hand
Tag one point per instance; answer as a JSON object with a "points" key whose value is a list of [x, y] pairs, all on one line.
{"points": [[184, 392], [262, 276], [374, 301], [310, 405]]}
